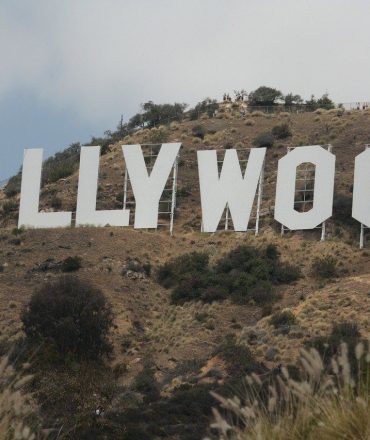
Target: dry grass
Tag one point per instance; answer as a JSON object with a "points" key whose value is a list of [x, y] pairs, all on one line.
{"points": [[210, 139], [322, 405], [137, 300], [174, 126], [332, 111], [258, 114], [15, 406]]}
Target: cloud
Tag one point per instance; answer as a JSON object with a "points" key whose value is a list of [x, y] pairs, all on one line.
{"points": [[102, 58]]}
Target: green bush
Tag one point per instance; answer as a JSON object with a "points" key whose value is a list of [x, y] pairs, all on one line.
{"points": [[196, 286], [199, 131], [250, 273], [239, 360], [208, 106], [62, 164], [342, 211], [15, 241], [286, 317], [71, 264], [346, 330], [56, 202], [291, 99], [138, 267], [286, 273], [201, 317], [13, 187], [72, 315], [281, 131], [325, 267], [103, 142], [56, 167], [264, 96], [178, 269], [329, 346], [154, 115], [266, 310], [263, 140], [146, 384], [246, 274], [9, 208], [324, 102], [59, 171], [183, 415]]}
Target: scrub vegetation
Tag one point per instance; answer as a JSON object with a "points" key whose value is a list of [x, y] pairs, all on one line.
{"points": [[134, 343], [245, 275], [322, 403]]}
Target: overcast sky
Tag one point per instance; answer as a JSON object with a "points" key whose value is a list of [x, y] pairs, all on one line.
{"points": [[70, 68]]}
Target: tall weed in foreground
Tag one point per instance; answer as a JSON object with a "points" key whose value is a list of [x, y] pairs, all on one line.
{"points": [[324, 404], [15, 406]]}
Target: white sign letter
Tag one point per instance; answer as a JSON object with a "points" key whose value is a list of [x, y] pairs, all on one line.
{"points": [[323, 188], [29, 215], [148, 188], [229, 188], [87, 190], [361, 188]]}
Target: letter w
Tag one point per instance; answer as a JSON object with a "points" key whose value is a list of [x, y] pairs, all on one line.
{"points": [[231, 188]]}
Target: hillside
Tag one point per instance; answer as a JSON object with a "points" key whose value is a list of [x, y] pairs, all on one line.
{"points": [[181, 340]]}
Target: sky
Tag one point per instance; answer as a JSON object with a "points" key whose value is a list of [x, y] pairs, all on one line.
{"points": [[69, 69]]}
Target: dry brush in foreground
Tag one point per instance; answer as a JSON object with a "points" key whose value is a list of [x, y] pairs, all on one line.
{"points": [[325, 404]]}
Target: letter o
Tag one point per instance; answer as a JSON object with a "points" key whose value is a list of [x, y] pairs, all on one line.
{"points": [[323, 188]]}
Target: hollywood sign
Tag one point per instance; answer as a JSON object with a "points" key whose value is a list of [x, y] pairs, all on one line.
{"points": [[229, 188]]}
